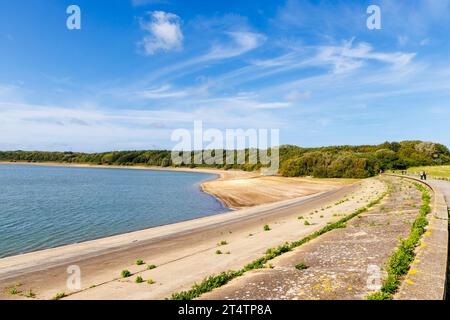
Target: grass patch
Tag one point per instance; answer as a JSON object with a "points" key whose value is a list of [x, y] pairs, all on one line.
{"points": [[301, 266], [13, 291], [219, 252], [266, 227], [30, 294], [150, 281], [59, 296], [435, 171], [151, 267], [307, 223], [399, 262], [139, 262], [222, 243], [139, 279], [125, 273], [215, 281]]}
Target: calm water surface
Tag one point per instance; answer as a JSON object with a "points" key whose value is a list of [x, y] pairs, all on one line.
{"points": [[48, 206]]}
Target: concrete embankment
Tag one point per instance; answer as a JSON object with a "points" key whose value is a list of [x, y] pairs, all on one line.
{"points": [[426, 279]]}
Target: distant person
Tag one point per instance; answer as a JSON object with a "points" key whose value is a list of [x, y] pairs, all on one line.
{"points": [[380, 172], [421, 175], [424, 175]]}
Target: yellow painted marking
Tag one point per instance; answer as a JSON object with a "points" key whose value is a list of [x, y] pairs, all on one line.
{"points": [[409, 281], [413, 271]]}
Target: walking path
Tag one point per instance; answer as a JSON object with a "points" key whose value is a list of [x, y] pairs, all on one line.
{"points": [[342, 264], [426, 279], [443, 186]]}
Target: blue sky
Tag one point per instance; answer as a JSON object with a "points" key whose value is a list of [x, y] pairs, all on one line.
{"points": [[138, 69]]}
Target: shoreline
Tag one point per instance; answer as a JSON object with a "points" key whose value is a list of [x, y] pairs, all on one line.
{"points": [[220, 174], [223, 196], [189, 246], [234, 189]]}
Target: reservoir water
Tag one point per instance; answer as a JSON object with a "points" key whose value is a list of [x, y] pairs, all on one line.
{"points": [[47, 206]]}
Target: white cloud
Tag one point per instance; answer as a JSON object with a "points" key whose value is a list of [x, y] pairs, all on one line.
{"points": [[161, 93], [166, 92], [242, 42], [48, 127], [347, 57], [164, 30]]}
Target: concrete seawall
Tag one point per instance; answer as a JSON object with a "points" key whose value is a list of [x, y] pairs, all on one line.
{"points": [[426, 279]]}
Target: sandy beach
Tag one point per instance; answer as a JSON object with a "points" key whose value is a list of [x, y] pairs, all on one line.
{"points": [[186, 252]]}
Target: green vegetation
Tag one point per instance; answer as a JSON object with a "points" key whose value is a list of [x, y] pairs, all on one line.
{"points": [[219, 252], [216, 281], [307, 223], [151, 266], [139, 279], [150, 281], [139, 262], [222, 243], [400, 261], [125, 273], [324, 162], [30, 294], [360, 161], [266, 227], [435, 171], [59, 296], [301, 266], [13, 291]]}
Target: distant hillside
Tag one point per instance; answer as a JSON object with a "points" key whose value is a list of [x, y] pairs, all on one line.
{"points": [[324, 162]]}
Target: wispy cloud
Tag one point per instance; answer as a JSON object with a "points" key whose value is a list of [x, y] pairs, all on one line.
{"points": [[164, 32], [242, 42]]}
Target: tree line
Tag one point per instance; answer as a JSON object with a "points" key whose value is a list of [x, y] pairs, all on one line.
{"points": [[324, 162]]}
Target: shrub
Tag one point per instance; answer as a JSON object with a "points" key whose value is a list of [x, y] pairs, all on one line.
{"points": [[13, 291], [59, 296], [206, 285], [125, 273], [379, 296], [30, 294], [301, 266], [139, 279], [139, 262], [266, 227]]}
